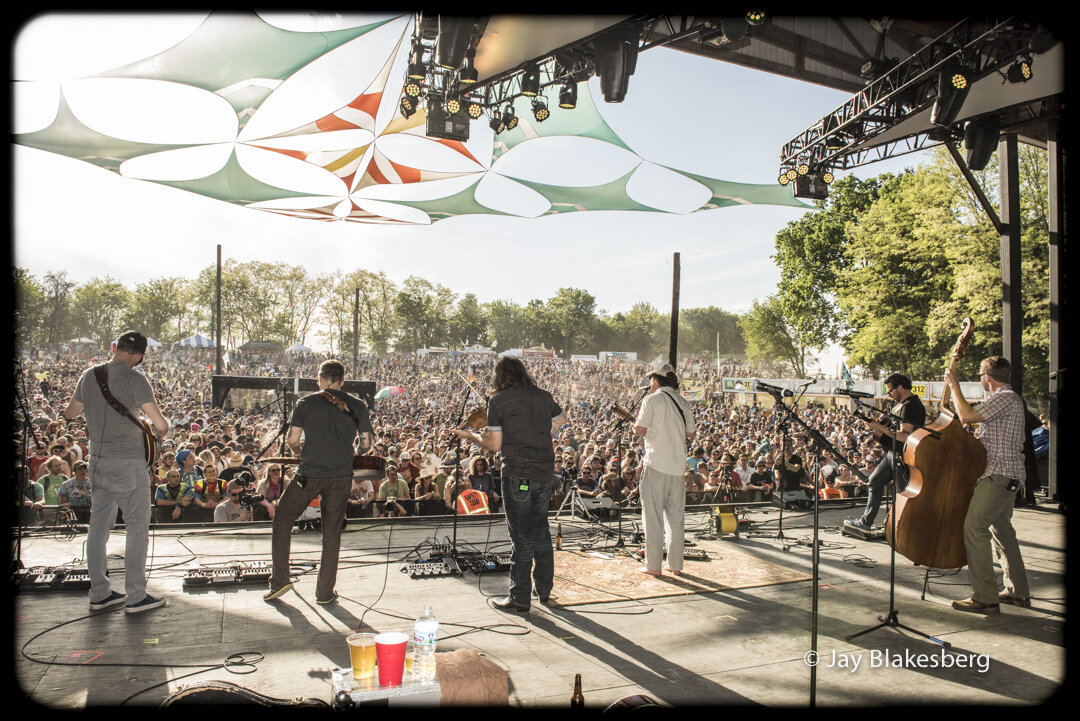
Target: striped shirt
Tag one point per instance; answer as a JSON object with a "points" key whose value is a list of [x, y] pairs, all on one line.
{"points": [[1002, 433]]}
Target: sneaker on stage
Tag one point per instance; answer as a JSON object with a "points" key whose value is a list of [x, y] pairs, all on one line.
{"points": [[145, 605], [114, 599], [857, 523]]}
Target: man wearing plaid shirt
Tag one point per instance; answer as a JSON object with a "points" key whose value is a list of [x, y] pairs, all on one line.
{"points": [[989, 516]]}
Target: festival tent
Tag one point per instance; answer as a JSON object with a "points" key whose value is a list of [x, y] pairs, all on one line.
{"points": [[195, 341], [151, 343], [298, 348], [82, 341]]}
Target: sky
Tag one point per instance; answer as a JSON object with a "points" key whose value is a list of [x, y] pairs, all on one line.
{"points": [[682, 111]]}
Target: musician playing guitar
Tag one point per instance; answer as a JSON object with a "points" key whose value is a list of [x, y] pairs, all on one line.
{"points": [[910, 408], [329, 422], [119, 474]]}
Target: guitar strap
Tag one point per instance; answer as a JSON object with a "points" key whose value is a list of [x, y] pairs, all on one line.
{"points": [[102, 376], [341, 406]]}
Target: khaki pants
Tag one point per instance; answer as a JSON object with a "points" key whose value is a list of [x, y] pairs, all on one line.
{"points": [[988, 524], [663, 503]]}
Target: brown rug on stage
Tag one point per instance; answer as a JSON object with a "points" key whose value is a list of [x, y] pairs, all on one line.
{"points": [[583, 578]]}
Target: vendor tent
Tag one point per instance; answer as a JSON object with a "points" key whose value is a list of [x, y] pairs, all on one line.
{"points": [[195, 341], [298, 348]]}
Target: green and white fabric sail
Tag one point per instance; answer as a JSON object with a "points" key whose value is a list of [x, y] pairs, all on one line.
{"points": [[274, 149]]}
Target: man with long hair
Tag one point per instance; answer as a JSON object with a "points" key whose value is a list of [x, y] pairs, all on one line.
{"points": [[666, 422], [520, 420]]}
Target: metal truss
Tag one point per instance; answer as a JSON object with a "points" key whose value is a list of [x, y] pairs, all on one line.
{"points": [[844, 137]]}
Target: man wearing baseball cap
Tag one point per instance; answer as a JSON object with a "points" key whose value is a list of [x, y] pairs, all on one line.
{"points": [[666, 422], [118, 472]]}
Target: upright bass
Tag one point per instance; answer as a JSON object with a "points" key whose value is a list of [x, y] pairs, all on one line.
{"points": [[944, 461]]}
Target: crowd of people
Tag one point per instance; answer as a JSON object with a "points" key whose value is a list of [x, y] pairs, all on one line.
{"points": [[224, 465]]}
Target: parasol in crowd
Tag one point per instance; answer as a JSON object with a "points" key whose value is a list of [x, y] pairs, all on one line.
{"points": [[389, 392]]}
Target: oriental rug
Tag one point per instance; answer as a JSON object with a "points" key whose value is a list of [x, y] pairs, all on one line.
{"points": [[596, 577]]}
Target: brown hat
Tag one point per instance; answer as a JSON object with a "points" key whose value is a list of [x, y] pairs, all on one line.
{"points": [[236, 460]]}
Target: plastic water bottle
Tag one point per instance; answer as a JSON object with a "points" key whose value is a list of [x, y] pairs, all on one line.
{"points": [[425, 638]]}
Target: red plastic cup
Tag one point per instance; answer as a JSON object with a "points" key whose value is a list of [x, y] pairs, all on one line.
{"points": [[390, 652]]}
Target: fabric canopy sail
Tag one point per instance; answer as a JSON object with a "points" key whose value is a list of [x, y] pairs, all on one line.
{"points": [[358, 160]]}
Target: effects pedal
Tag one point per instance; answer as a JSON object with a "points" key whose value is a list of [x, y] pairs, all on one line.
{"points": [[695, 554], [431, 568]]}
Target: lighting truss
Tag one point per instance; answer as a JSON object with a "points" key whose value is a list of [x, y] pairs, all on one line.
{"points": [[840, 140]]}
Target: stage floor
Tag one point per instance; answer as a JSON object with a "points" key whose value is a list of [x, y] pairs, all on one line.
{"points": [[719, 647]]}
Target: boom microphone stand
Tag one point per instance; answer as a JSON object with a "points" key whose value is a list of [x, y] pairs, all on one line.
{"points": [[890, 619]]}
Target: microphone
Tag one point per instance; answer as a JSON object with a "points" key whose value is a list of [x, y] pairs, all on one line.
{"points": [[775, 390], [851, 394]]}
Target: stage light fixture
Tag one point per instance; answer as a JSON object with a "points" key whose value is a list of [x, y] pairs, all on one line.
{"points": [[412, 89], [509, 119], [568, 96], [803, 168], [468, 74], [455, 37], [453, 106], [615, 59], [784, 180], [530, 81], [755, 17], [540, 110], [792, 174], [1020, 71], [497, 124], [828, 177], [474, 109], [417, 69], [407, 108], [981, 140], [952, 89]]}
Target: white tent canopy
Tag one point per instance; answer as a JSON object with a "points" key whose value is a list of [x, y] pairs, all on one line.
{"points": [[151, 343], [195, 341], [82, 341], [298, 348]]}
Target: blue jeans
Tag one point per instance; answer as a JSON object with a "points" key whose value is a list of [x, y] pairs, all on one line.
{"points": [[532, 558]]}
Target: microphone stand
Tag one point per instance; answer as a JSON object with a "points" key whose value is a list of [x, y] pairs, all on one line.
{"points": [[618, 428], [780, 424], [891, 619]]}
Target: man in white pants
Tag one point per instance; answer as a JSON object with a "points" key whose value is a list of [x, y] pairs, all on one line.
{"points": [[666, 421]]}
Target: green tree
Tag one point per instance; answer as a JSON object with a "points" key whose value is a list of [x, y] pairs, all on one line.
{"points": [[701, 328], [155, 308], [505, 323], [29, 307], [422, 309], [98, 307], [571, 320], [469, 322], [771, 340], [57, 308]]}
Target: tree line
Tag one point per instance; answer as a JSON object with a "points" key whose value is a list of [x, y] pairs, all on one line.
{"points": [[286, 304]]}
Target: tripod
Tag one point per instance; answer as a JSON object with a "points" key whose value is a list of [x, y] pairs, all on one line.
{"points": [[891, 619]]}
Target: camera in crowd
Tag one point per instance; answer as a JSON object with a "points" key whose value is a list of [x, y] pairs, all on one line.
{"points": [[248, 497]]}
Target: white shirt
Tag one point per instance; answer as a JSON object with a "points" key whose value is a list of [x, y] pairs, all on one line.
{"points": [[665, 437]]}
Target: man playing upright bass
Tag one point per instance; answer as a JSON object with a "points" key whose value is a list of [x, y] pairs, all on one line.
{"points": [[988, 522], [324, 428]]}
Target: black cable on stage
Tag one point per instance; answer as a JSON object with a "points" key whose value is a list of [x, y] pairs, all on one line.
{"points": [[231, 662]]}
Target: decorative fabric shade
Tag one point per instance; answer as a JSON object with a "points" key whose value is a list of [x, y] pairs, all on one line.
{"points": [[288, 155]]}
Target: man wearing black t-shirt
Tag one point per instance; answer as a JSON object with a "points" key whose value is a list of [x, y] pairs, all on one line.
{"points": [[521, 418], [910, 408], [329, 422]]}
